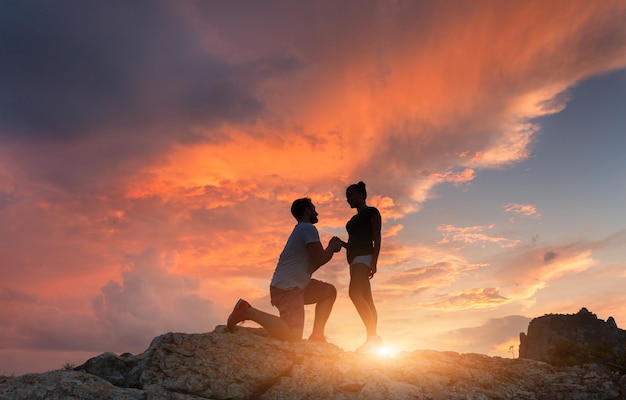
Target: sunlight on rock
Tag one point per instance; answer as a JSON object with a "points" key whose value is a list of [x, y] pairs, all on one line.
{"points": [[386, 351]]}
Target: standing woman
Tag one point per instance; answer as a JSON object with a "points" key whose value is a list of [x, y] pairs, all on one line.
{"points": [[363, 248]]}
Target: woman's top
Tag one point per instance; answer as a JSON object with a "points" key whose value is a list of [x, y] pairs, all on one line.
{"points": [[360, 236]]}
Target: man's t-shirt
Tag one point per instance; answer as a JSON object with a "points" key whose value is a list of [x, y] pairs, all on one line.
{"points": [[294, 264]]}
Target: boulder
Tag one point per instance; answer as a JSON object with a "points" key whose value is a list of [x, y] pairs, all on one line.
{"points": [[584, 328]]}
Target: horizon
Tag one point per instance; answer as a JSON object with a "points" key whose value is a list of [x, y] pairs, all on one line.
{"points": [[150, 151]]}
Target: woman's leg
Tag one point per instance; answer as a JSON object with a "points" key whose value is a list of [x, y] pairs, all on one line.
{"points": [[367, 294], [361, 295]]}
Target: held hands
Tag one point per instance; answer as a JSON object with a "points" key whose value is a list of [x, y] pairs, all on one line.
{"points": [[335, 244]]}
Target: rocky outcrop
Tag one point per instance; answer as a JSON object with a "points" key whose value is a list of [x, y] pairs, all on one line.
{"points": [[250, 365], [549, 331]]}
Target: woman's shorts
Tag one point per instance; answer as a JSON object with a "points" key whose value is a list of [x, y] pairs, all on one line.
{"points": [[366, 259]]}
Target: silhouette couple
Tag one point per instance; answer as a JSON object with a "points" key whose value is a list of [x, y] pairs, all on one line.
{"points": [[292, 285]]}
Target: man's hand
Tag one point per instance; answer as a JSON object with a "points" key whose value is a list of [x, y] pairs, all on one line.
{"points": [[320, 255], [335, 244]]}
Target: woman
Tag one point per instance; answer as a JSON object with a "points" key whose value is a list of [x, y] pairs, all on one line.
{"points": [[363, 248]]}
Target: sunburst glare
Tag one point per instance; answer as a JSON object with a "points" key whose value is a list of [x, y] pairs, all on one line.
{"points": [[386, 351]]}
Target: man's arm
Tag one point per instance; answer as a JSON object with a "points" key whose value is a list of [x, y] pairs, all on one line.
{"points": [[320, 255]]}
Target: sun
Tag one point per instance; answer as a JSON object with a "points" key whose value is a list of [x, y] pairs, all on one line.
{"points": [[386, 351]]}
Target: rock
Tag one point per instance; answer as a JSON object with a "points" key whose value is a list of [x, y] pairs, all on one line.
{"points": [[545, 333], [250, 365], [64, 385], [113, 368]]}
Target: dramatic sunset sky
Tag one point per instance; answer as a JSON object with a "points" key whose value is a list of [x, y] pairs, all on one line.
{"points": [[150, 151]]}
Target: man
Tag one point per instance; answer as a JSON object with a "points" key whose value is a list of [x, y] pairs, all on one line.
{"points": [[292, 286]]}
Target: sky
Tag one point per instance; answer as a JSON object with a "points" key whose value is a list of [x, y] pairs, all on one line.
{"points": [[150, 152]]}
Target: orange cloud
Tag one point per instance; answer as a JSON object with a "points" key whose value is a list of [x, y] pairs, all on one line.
{"points": [[523, 210], [531, 271], [471, 298], [386, 110], [393, 231], [472, 234]]}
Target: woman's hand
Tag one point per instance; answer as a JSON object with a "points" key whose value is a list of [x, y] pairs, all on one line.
{"points": [[372, 269]]}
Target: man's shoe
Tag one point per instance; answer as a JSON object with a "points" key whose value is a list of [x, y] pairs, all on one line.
{"points": [[238, 315], [372, 344]]}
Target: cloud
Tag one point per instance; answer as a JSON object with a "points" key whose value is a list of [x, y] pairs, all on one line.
{"points": [[431, 276], [457, 178], [38, 324], [189, 78], [521, 210], [421, 277], [470, 298], [151, 300], [95, 91], [481, 339], [190, 105], [10, 295], [472, 234], [393, 231], [524, 275], [91, 71]]}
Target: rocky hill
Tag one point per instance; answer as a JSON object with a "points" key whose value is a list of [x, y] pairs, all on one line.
{"points": [[250, 365], [581, 332]]}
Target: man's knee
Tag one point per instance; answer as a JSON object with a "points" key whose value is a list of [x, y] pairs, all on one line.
{"points": [[320, 291]]}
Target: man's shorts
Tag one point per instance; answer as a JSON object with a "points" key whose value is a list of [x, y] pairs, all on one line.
{"points": [[290, 303]]}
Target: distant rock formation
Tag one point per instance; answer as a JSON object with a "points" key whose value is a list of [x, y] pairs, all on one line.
{"points": [[549, 331], [250, 365]]}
